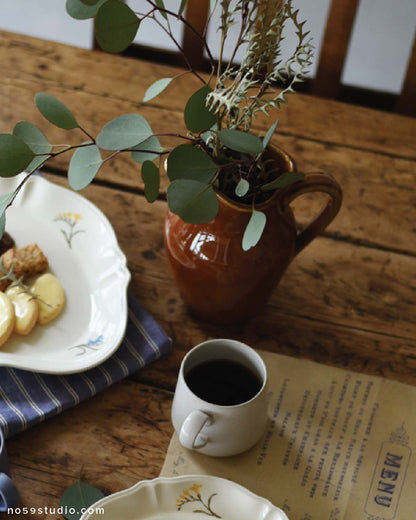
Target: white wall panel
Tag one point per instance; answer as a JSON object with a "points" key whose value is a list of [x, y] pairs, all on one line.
{"points": [[45, 19], [381, 44]]}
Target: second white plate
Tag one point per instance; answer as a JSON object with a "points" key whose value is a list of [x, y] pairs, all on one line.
{"points": [[190, 497], [84, 255]]}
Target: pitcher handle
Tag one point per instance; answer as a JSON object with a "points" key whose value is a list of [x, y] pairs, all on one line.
{"points": [[313, 182]]}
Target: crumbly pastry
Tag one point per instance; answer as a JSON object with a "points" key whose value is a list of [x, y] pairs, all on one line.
{"points": [[27, 261]]}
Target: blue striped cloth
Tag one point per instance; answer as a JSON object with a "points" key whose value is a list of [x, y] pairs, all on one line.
{"points": [[28, 398]]}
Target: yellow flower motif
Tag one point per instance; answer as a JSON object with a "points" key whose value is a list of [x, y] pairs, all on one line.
{"points": [[195, 488], [69, 215], [192, 495]]}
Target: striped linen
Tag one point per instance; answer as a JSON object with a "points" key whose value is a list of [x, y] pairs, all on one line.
{"points": [[28, 398]]}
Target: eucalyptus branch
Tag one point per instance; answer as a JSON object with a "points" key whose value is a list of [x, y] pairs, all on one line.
{"points": [[190, 27], [180, 49], [86, 133]]}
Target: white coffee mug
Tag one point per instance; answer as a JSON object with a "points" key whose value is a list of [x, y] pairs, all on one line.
{"points": [[217, 429]]}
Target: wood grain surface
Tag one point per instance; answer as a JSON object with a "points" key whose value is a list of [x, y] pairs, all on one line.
{"points": [[347, 300]]}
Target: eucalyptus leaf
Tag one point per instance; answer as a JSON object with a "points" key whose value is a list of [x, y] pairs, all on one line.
{"points": [[283, 180], [55, 112], [115, 26], [2, 224], [182, 7], [240, 141], [194, 202], [188, 162], [90, 2], [242, 187], [156, 88], [125, 131], [151, 179], [15, 155], [36, 141], [197, 115], [80, 11], [254, 229], [267, 138], [79, 496], [37, 162], [161, 5], [145, 150], [84, 166], [33, 137], [5, 199], [212, 4]]}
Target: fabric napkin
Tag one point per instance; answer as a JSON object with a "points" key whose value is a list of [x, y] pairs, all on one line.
{"points": [[28, 398]]}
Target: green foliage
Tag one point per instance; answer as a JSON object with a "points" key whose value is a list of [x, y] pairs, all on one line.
{"points": [[156, 88], [151, 179], [84, 166], [15, 155], [5, 200], [254, 229], [115, 26], [242, 188], [194, 201], [124, 132], [241, 141], [77, 497], [2, 224], [267, 138], [238, 95], [148, 150], [184, 3], [220, 149], [80, 10], [197, 116], [36, 141], [161, 6], [55, 111], [188, 162]]}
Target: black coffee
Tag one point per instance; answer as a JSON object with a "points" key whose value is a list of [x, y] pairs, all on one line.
{"points": [[223, 382]]}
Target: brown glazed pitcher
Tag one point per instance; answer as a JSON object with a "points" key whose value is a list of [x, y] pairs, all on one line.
{"points": [[221, 282]]}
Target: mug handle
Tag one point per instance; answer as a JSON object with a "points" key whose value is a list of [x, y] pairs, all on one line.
{"points": [[313, 182], [191, 435], [9, 496]]}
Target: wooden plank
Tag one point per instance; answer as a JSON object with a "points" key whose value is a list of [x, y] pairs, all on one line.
{"points": [[406, 103], [338, 303], [50, 65], [334, 48], [129, 423], [377, 188]]}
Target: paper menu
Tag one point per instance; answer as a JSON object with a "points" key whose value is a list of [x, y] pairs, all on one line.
{"points": [[339, 446]]}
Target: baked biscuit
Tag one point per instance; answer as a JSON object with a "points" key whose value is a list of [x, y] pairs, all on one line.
{"points": [[27, 261]]}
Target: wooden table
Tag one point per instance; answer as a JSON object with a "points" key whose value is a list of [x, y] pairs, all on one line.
{"points": [[347, 300]]}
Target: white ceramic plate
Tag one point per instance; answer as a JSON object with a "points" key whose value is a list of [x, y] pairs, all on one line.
{"points": [[83, 253], [191, 497]]}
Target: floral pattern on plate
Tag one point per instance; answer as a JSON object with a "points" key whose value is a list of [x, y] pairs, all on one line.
{"points": [[70, 220]]}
